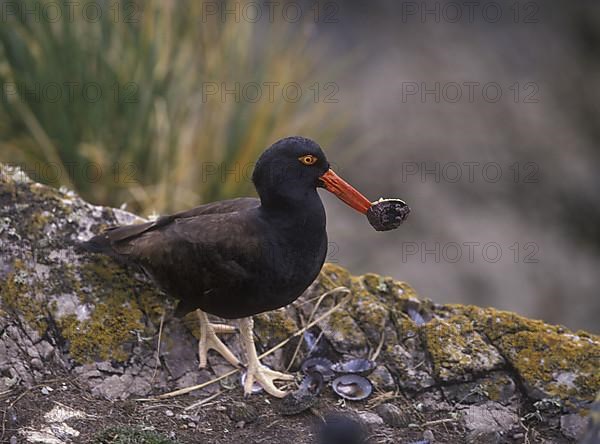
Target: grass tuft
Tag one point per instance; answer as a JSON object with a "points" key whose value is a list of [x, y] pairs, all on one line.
{"points": [[155, 139]]}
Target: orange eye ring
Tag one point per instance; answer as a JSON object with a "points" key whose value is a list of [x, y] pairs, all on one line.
{"points": [[308, 159]]}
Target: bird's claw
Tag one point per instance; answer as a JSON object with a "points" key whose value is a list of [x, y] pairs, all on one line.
{"points": [[210, 341], [265, 377]]}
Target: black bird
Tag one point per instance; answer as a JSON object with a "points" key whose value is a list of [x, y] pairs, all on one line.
{"points": [[240, 257]]}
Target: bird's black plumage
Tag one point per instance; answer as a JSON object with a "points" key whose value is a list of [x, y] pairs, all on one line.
{"points": [[238, 257]]}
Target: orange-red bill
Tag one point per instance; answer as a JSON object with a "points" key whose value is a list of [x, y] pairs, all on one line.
{"points": [[345, 192]]}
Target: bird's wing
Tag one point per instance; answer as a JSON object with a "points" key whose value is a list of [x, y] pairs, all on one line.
{"points": [[221, 207], [214, 236], [210, 250], [111, 238]]}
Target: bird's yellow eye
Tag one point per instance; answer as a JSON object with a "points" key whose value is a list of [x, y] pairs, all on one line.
{"points": [[308, 159]]}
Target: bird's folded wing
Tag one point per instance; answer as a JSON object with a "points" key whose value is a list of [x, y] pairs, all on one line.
{"points": [[215, 243], [114, 240]]}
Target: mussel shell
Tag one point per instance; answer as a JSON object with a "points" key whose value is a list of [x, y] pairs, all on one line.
{"points": [[361, 367], [387, 214], [297, 402], [352, 387], [313, 383], [319, 365], [416, 316]]}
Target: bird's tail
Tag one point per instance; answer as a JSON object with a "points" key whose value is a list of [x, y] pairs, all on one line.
{"points": [[106, 241], [98, 244]]}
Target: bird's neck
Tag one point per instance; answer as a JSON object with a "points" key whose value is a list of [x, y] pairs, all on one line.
{"points": [[304, 212]]}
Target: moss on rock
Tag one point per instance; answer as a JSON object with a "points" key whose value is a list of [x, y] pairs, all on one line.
{"points": [[110, 328], [551, 360], [457, 351], [19, 295], [274, 326]]}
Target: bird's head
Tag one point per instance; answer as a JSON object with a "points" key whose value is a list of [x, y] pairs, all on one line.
{"points": [[295, 166]]}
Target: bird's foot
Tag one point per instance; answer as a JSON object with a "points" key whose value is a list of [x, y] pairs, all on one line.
{"points": [[210, 341], [256, 371], [265, 377]]}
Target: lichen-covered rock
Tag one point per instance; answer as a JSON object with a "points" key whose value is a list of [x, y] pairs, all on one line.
{"points": [[458, 350], [551, 361], [64, 309]]}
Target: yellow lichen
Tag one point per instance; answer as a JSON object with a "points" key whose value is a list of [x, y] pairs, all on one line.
{"points": [[15, 295], [37, 222], [117, 312], [333, 276], [103, 336], [368, 310], [543, 356], [342, 330], [551, 357], [274, 326], [456, 349]]}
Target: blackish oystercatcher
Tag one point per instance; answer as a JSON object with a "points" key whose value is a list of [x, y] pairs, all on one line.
{"points": [[240, 257]]}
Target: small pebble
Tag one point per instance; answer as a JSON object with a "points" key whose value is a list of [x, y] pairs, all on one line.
{"points": [[13, 439], [392, 415], [241, 412], [11, 417], [370, 420], [169, 413], [46, 390], [428, 435]]}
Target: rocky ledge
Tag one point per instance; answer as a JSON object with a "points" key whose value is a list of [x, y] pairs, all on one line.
{"points": [[465, 373]]}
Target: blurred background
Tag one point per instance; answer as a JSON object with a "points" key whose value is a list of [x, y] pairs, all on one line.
{"points": [[483, 116]]}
